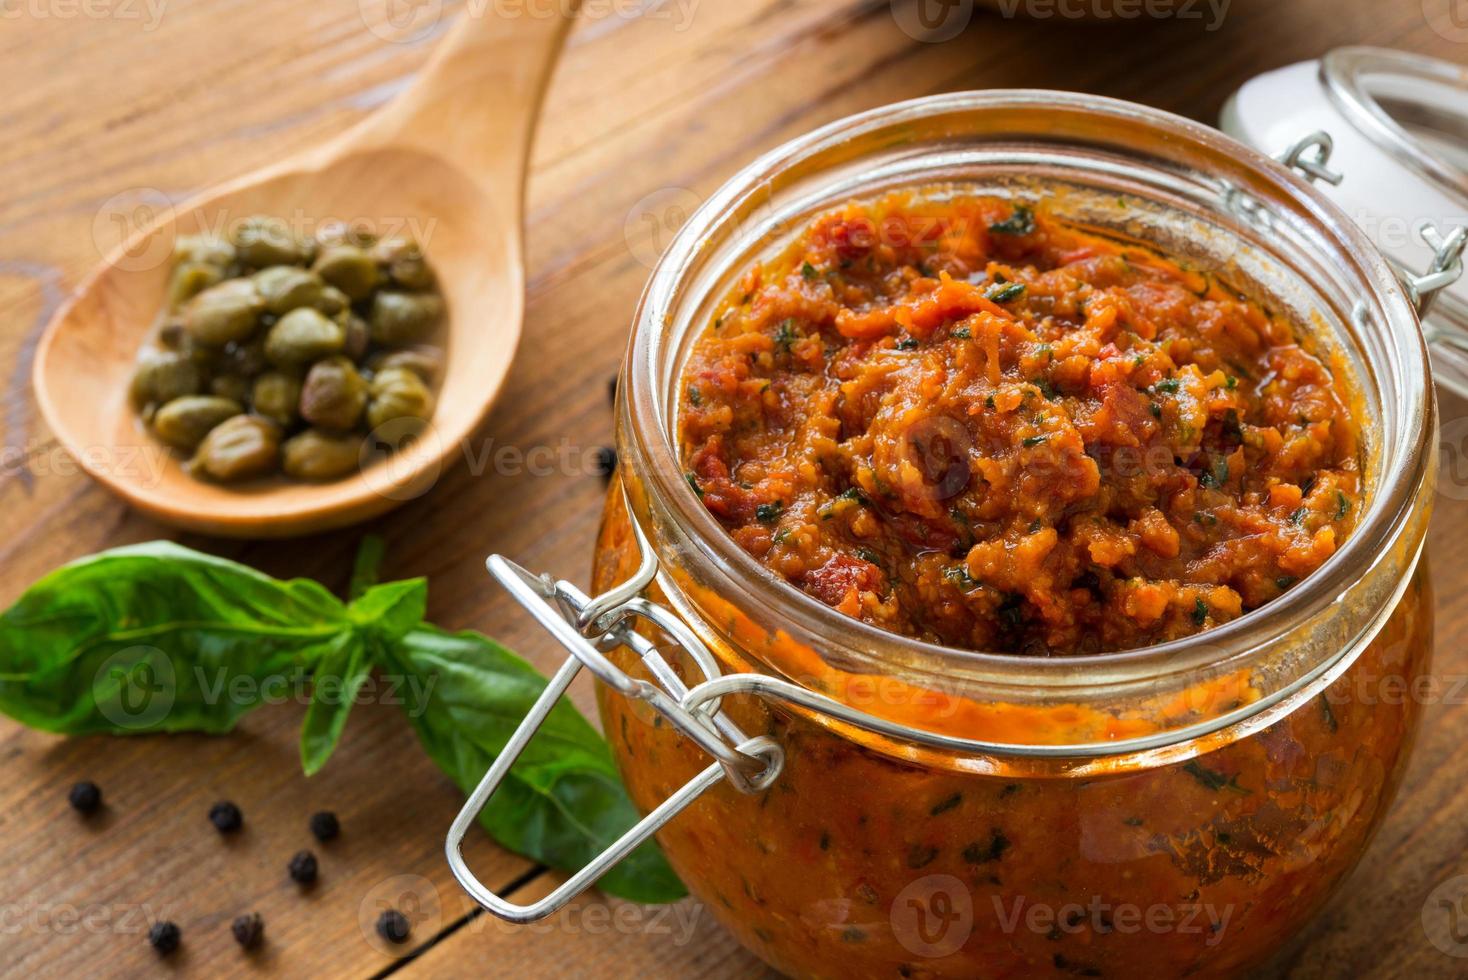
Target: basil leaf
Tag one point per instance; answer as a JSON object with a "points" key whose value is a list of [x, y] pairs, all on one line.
{"points": [[155, 637], [388, 611], [563, 801], [370, 551], [382, 613], [339, 675]]}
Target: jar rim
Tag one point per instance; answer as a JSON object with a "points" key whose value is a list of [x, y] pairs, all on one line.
{"points": [[644, 414]]}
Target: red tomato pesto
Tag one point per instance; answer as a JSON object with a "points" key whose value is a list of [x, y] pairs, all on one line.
{"points": [[970, 423]]}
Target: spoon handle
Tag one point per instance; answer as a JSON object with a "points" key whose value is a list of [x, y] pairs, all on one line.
{"points": [[477, 100]]}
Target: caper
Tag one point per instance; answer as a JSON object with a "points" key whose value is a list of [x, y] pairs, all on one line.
{"points": [[231, 386], [317, 455], [276, 395], [285, 287], [247, 358], [163, 375], [403, 318], [355, 346], [238, 448], [405, 264], [349, 269], [334, 394], [302, 336], [260, 242], [184, 422], [332, 301], [421, 359], [397, 393], [204, 249], [228, 311], [340, 233], [189, 280], [173, 335]]}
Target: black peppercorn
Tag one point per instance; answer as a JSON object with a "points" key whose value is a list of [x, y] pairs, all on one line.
{"points": [[85, 797], [226, 817], [393, 926], [606, 462], [164, 937], [325, 826], [303, 868], [248, 930]]}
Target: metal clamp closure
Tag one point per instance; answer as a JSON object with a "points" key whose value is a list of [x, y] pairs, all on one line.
{"points": [[1446, 267], [587, 627], [1309, 157], [1319, 146]]}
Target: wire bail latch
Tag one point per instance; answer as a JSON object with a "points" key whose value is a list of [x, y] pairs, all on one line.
{"points": [[588, 627]]}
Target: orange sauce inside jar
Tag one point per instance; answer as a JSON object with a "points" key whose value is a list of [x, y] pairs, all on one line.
{"points": [[969, 423], [858, 863]]}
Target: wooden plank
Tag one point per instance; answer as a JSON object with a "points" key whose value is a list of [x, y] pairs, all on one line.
{"points": [[646, 114], [592, 937]]}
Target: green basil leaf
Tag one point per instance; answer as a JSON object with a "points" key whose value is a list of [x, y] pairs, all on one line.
{"points": [[382, 614], [563, 802], [370, 552], [338, 677], [155, 637], [389, 611]]}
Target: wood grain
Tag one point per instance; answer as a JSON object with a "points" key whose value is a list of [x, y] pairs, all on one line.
{"points": [[647, 114]]}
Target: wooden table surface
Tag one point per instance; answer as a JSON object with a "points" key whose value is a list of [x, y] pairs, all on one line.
{"points": [[114, 105]]}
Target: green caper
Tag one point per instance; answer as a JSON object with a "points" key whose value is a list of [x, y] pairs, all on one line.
{"points": [[349, 269], [276, 395], [332, 301], [334, 394], [405, 264], [421, 359], [285, 287], [340, 233], [302, 336], [246, 358], [358, 338], [238, 448], [317, 455], [184, 422], [397, 393], [228, 311], [163, 375], [204, 249], [231, 386], [260, 242], [403, 318], [189, 280]]}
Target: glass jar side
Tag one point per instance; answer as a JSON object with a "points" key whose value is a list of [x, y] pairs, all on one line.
{"points": [[863, 860]]}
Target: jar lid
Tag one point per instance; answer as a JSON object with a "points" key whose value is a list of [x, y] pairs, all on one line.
{"points": [[1398, 165]]}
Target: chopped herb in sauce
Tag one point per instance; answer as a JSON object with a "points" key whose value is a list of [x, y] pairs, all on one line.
{"points": [[1004, 292], [1021, 222]]}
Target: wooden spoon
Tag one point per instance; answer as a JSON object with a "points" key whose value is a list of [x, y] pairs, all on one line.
{"points": [[447, 161]]}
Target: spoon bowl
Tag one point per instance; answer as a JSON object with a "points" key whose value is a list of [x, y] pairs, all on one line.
{"points": [[434, 165]]}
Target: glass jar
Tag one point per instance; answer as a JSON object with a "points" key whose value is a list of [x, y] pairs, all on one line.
{"points": [[911, 810]]}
